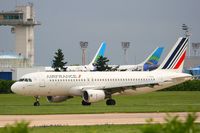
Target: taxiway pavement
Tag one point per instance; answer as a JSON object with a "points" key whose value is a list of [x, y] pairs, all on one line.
{"points": [[89, 119]]}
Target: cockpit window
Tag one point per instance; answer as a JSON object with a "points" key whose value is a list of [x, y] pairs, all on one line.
{"points": [[25, 80], [21, 79]]}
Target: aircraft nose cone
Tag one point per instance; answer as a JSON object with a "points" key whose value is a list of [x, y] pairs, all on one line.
{"points": [[15, 88]]}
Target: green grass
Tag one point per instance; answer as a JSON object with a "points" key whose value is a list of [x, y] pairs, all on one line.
{"points": [[152, 102], [91, 129], [86, 129]]}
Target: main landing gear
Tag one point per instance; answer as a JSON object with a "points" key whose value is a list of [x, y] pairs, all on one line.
{"points": [[37, 102], [110, 102]]}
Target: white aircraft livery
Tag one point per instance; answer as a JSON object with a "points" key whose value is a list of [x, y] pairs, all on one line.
{"points": [[97, 86]]}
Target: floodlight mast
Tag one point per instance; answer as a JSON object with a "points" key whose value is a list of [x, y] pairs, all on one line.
{"points": [[125, 46], [84, 46], [187, 34], [195, 47]]}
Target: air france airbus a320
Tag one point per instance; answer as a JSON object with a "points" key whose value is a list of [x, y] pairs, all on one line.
{"points": [[97, 86]]}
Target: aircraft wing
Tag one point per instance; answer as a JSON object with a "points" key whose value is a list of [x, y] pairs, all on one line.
{"points": [[112, 90], [123, 88]]}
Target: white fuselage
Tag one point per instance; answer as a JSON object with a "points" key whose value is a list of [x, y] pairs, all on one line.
{"points": [[128, 67], [74, 83], [73, 68]]}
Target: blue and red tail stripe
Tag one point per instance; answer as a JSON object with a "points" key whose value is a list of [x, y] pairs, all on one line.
{"points": [[177, 57]]}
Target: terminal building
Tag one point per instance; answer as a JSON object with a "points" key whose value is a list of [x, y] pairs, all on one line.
{"points": [[192, 63], [194, 59]]}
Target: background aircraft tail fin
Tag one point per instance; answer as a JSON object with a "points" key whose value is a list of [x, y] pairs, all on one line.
{"points": [[152, 61], [175, 59], [99, 53]]}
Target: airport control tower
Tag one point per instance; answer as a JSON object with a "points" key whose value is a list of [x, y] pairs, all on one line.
{"points": [[22, 21]]}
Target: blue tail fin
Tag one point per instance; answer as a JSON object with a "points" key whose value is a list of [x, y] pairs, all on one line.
{"points": [[99, 53], [152, 61]]}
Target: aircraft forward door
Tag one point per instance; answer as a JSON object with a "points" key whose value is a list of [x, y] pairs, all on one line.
{"points": [[42, 83]]}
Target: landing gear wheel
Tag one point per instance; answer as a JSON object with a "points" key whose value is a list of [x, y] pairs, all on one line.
{"points": [[110, 102], [37, 102], [84, 103]]}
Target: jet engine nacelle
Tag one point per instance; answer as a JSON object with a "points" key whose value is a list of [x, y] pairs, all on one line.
{"points": [[57, 99], [93, 95]]}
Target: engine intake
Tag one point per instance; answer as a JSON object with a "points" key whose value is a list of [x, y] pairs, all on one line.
{"points": [[93, 95]]}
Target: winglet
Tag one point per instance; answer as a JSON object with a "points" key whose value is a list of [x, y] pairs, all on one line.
{"points": [[175, 59], [99, 53]]}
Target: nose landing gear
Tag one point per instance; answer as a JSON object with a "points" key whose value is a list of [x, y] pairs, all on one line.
{"points": [[37, 102]]}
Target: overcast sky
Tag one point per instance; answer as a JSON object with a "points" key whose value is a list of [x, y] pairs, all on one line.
{"points": [[145, 23]]}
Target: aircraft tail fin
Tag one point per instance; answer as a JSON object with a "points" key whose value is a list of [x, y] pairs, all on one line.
{"points": [[99, 53], [154, 57], [175, 58]]}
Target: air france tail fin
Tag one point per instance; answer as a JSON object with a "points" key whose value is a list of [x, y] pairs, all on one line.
{"points": [[175, 59], [99, 53]]}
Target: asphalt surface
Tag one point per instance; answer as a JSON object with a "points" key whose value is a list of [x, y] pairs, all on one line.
{"points": [[89, 119]]}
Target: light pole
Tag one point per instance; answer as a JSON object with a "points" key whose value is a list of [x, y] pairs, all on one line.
{"points": [[125, 46], [187, 34], [84, 46]]}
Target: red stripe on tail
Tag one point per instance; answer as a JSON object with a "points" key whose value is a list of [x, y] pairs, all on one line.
{"points": [[180, 61]]}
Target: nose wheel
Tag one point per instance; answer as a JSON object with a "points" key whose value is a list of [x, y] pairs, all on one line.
{"points": [[37, 102]]}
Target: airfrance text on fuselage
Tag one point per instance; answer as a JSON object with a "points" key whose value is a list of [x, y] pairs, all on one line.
{"points": [[63, 76]]}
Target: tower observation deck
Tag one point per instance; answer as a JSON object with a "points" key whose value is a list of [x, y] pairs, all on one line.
{"points": [[22, 20]]}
